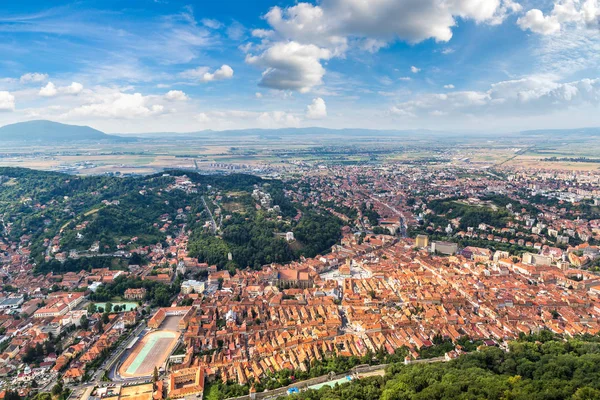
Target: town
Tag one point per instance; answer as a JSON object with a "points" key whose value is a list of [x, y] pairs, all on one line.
{"points": [[425, 265]]}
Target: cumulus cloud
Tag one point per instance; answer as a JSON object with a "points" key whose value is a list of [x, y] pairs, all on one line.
{"points": [[203, 74], [225, 72], [317, 109], [73, 88], [576, 13], [537, 22], [331, 23], [33, 77], [311, 33], [528, 96], [449, 86], [176, 95], [7, 101], [291, 66], [50, 90], [278, 119], [117, 105], [415, 70]]}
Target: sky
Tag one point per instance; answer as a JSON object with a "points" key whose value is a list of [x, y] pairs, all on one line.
{"points": [[180, 66]]}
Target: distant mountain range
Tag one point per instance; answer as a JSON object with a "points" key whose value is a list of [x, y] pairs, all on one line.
{"points": [[54, 132], [563, 132], [49, 132]]}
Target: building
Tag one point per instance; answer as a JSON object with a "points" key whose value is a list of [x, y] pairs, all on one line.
{"points": [[12, 302], [190, 286], [295, 278], [162, 313], [135, 294], [536, 259], [186, 382], [445, 248], [477, 254], [422, 241], [53, 310]]}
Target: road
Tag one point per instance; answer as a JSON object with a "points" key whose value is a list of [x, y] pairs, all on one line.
{"points": [[108, 364], [212, 219], [395, 211]]}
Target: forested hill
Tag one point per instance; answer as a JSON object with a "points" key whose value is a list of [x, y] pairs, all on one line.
{"points": [[537, 367], [66, 221]]}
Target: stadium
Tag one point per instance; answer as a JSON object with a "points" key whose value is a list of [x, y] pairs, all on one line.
{"points": [[152, 348]]}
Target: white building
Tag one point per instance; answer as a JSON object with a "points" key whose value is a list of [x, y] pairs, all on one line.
{"points": [[188, 286]]}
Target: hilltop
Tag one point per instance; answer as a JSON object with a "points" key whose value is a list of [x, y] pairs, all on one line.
{"points": [[42, 130]]}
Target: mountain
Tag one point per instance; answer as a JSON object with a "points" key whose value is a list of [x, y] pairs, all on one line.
{"points": [[289, 132], [48, 131], [563, 132]]}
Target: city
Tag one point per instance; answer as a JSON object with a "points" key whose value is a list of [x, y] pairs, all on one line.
{"points": [[303, 200], [408, 278]]}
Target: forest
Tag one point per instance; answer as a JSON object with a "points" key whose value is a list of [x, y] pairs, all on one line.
{"points": [[158, 294], [253, 242], [119, 213], [470, 216], [542, 366]]}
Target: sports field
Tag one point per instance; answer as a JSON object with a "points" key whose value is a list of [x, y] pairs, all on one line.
{"points": [[151, 351]]}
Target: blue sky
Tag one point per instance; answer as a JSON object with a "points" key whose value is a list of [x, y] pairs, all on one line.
{"points": [[165, 65]]}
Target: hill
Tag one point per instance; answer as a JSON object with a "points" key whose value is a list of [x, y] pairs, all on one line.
{"points": [[83, 216], [42, 130]]}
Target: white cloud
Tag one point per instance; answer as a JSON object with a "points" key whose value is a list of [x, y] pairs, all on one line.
{"points": [[405, 78], [203, 118], [236, 31], [49, 90], [449, 86], [317, 109], [535, 95], [33, 77], [306, 34], [332, 22], [73, 88], [258, 95], [571, 51], [203, 75], [211, 23], [230, 118], [537, 22], [225, 72], [7, 101], [196, 73], [176, 95], [415, 70], [575, 13], [277, 119], [307, 24], [117, 105], [291, 66]]}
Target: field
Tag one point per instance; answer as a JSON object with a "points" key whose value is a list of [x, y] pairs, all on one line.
{"points": [[252, 152], [151, 351]]}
